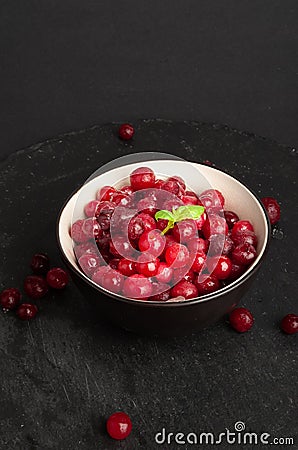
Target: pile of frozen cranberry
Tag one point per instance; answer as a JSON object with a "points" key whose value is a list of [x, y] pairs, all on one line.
{"points": [[122, 247]]}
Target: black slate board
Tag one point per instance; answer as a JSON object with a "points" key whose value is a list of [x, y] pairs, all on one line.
{"points": [[62, 374]]}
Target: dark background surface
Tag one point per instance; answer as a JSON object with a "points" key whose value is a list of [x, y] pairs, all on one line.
{"points": [[69, 64]]}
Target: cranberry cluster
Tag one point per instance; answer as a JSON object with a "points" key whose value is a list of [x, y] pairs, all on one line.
{"points": [[122, 247], [35, 286]]}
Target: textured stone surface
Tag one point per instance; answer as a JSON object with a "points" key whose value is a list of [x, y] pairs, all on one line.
{"points": [[62, 374]]}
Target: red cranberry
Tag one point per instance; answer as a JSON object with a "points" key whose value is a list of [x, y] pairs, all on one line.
{"points": [[231, 218], [121, 199], [142, 178], [26, 311], [184, 289], [90, 208], [221, 267], [245, 237], [214, 225], [158, 184], [103, 243], [82, 249], [105, 193], [163, 295], [92, 228], [104, 221], [244, 254], [241, 319], [206, 284], [35, 286], [137, 286], [126, 132], [164, 273], [184, 230], [197, 245], [147, 267], [240, 226], [89, 263], [114, 263], [177, 255], [220, 244], [112, 281], [77, 232], [120, 246], [178, 180], [119, 426], [272, 208], [236, 271], [181, 274], [10, 298], [128, 190], [161, 224], [212, 199], [127, 267], [105, 207], [57, 278], [172, 186], [152, 242], [147, 205], [140, 224], [99, 274], [189, 198], [198, 262], [289, 324], [40, 263]]}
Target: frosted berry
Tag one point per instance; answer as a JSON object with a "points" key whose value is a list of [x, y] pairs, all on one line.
{"points": [[26, 311], [40, 263], [289, 324], [126, 132], [273, 209], [241, 319], [57, 278], [35, 286], [206, 284], [10, 298], [244, 254], [185, 289], [119, 426], [137, 286]]}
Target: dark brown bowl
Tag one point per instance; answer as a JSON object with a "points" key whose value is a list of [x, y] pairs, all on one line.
{"points": [[172, 317]]}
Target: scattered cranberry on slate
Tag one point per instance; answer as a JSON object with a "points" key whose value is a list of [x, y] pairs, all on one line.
{"points": [[35, 286], [289, 324], [273, 209], [57, 278], [10, 298], [241, 319], [119, 426], [40, 264], [26, 311], [126, 132]]}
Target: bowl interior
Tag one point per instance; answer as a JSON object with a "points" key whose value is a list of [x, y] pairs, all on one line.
{"points": [[198, 177]]}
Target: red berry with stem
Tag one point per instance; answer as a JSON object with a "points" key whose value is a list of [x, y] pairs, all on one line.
{"points": [[241, 319], [40, 263], [57, 278], [152, 242], [35, 286], [10, 298], [142, 178], [119, 426], [26, 311], [185, 289], [177, 255], [126, 131], [244, 254], [289, 324], [137, 286], [273, 209]]}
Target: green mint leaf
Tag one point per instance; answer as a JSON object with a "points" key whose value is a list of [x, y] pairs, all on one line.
{"points": [[164, 214], [188, 212]]}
